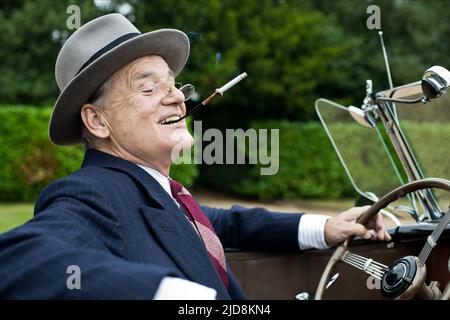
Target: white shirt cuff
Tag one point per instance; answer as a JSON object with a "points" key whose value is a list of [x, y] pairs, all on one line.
{"points": [[179, 289], [311, 231]]}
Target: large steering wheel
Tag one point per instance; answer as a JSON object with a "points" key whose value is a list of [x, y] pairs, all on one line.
{"points": [[406, 277]]}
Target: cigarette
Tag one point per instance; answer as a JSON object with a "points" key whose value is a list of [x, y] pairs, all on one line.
{"points": [[230, 84]]}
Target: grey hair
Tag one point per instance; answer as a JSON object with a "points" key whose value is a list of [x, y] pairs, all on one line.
{"points": [[98, 99]]}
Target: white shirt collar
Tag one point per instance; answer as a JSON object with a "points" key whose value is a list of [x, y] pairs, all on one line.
{"points": [[162, 180]]}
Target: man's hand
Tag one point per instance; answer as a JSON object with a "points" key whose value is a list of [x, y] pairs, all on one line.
{"points": [[339, 228]]}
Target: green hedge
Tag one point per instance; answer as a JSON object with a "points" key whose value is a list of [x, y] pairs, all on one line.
{"points": [[431, 144], [29, 161], [309, 167]]}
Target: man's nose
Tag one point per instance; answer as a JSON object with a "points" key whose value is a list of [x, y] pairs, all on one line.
{"points": [[174, 96]]}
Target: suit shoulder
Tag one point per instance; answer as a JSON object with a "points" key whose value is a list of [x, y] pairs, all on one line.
{"points": [[87, 182], [92, 177]]}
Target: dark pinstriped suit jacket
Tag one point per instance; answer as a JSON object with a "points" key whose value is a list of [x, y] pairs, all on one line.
{"points": [[115, 222]]}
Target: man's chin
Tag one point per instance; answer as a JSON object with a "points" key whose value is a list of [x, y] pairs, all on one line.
{"points": [[182, 141], [187, 142]]}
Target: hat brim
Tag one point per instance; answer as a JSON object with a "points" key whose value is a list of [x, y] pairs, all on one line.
{"points": [[65, 122]]}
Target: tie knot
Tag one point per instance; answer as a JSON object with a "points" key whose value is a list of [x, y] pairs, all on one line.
{"points": [[175, 187]]}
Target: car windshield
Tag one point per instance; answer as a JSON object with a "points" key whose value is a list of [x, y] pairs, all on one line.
{"points": [[367, 155]]}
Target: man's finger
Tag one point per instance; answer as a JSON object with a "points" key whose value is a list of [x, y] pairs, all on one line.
{"points": [[376, 222], [380, 235], [387, 236], [356, 229], [354, 213], [379, 227], [379, 222]]}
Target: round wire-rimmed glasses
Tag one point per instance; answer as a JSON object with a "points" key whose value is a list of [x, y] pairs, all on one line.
{"points": [[165, 88]]}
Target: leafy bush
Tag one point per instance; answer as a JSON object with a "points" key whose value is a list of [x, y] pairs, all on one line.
{"points": [[29, 161], [309, 167], [430, 143]]}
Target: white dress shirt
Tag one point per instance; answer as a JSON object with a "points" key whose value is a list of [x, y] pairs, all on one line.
{"points": [[310, 235]]}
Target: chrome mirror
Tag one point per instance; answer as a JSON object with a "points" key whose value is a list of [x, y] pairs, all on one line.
{"points": [[435, 82], [361, 117]]}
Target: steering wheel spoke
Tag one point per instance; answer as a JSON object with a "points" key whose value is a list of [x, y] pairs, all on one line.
{"points": [[364, 264], [433, 238]]}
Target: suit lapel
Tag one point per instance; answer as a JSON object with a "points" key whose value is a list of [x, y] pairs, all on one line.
{"points": [[167, 222], [183, 244]]}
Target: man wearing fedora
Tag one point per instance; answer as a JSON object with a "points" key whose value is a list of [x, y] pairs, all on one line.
{"points": [[130, 230]]}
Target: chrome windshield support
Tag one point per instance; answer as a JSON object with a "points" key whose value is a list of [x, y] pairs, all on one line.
{"points": [[409, 163]]}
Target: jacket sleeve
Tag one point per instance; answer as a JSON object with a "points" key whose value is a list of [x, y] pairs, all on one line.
{"points": [[255, 229], [71, 226]]}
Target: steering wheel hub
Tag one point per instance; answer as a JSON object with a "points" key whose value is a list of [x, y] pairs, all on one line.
{"points": [[399, 277], [395, 275]]}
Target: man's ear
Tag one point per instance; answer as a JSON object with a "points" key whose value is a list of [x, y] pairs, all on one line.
{"points": [[94, 121]]}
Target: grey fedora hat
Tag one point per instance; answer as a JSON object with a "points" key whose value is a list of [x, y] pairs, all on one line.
{"points": [[92, 54]]}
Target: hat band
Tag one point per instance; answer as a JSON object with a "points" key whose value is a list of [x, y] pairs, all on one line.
{"points": [[107, 48]]}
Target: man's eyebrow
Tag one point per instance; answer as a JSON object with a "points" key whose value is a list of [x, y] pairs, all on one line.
{"points": [[143, 75], [148, 74]]}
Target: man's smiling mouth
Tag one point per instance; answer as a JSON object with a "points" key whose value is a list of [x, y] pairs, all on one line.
{"points": [[169, 119]]}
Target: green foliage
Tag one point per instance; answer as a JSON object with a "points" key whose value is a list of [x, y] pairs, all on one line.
{"points": [[31, 34], [13, 215], [285, 47], [365, 157], [294, 52], [29, 161], [430, 143], [415, 33], [309, 167]]}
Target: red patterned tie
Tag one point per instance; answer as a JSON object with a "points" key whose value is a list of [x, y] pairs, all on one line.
{"points": [[204, 228]]}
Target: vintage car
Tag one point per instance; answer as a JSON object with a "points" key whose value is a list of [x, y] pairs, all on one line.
{"points": [[416, 263]]}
